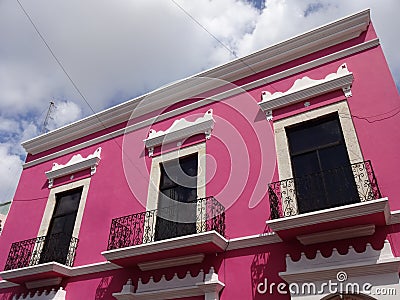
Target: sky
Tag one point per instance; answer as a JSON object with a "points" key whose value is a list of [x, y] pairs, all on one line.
{"points": [[114, 51]]}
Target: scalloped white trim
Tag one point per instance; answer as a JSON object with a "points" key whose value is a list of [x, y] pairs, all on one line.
{"points": [[180, 130], [306, 88], [60, 294], [75, 164], [188, 286], [368, 262]]}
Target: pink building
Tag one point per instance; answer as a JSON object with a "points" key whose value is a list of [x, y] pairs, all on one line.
{"points": [[273, 176]]}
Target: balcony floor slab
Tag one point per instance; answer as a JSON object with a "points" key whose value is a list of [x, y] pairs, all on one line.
{"points": [[374, 212], [37, 273], [201, 243]]}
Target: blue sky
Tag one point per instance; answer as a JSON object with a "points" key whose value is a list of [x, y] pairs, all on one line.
{"points": [[115, 51]]}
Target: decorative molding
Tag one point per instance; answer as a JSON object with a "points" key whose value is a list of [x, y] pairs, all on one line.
{"points": [[43, 282], [171, 262], [332, 214], [188, 286], [310, 42], [306, 88], [253, 241], [395, 217], [60, 294], [165, 284], [209, 237], [369, 262], [180, 130], [249, 86], [93, 268], [75, 164], [4, 284], [337, 234]]}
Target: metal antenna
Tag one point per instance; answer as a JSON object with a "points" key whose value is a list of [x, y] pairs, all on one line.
{"points": [[48, 117]]}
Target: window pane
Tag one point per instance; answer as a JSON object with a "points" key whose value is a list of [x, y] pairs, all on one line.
{"points": [[313, 135], [67, 203]]}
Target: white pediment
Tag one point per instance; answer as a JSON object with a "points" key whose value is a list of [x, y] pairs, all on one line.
{"points": [[306, 88], [180, 130], [75, 164]]}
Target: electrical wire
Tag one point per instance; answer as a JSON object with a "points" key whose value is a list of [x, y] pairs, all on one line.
{"points": [[75, 85], [218, 40]]}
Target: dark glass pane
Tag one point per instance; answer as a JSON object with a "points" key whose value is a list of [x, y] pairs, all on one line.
{"points": [[58, 238], [313, 135], [321, 167], [67, 203], [304, 164], [176, 215], [333, 157]]}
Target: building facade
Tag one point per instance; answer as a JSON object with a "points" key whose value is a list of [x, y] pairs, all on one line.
{"points": [[270, 177]]}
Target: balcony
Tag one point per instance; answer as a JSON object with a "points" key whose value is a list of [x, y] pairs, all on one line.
{"points": [[40, 261], [334, 204], [174, 235]]}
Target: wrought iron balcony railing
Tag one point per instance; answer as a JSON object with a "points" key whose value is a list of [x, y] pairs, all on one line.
{"points": [[198, 216], [331, 188], [52, 248]]}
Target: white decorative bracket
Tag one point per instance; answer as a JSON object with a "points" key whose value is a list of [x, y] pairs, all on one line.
{"points": [[188, 286], [45, 295], [75, 164], [306, 88], [180, 130]]}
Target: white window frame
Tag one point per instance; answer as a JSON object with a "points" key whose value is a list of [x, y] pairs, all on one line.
{"points": [[51, 203], [282, 146], [155, 175]]}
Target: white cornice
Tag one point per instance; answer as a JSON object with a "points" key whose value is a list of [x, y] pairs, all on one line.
{"points": [[93, 268], [369, 262], [75, 164], [310, 42], [333, 214], [253, 241], [180, 130], [306, 88], [252, 85]]}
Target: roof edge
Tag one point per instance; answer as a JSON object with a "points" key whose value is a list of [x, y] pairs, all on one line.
{"points": [[314, 40]]}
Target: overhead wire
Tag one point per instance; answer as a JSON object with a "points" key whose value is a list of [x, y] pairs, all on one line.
{"points": [[218, 40], [91, 108], [73, 83]]}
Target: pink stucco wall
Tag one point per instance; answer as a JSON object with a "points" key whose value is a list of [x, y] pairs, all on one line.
{"points": [[241, 161]]}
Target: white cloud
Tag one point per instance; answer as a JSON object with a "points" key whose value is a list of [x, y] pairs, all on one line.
{"points": [[114, 51], [64, 113], [10, 170]]}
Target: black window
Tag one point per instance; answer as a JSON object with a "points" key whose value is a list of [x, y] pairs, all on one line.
{"points": [[176, 215], [320, 164], [58, 238]]}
